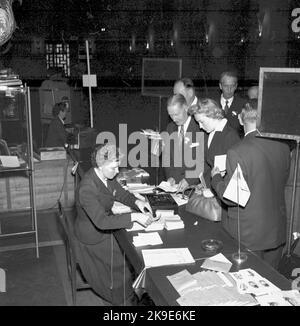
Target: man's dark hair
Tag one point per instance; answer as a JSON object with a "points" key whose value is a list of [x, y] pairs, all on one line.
{"points": [[57, 108]]}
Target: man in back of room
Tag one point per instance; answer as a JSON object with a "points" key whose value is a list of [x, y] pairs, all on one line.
{"points": [[230, 102]]}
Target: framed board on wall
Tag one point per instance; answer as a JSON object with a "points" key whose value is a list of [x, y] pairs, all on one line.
{"points": [[159, 75], [279, 102]]}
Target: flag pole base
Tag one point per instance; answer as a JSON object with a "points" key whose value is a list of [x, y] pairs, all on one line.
{"points": [[239, 257]]}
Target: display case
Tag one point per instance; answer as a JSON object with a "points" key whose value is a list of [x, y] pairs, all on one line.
{"points": [[15, 106]]}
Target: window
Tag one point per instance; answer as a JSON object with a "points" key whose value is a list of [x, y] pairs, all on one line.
{"points": [[58, 56]]}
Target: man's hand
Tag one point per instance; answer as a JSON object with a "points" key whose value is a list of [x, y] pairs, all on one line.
{"points": [[144, 206], [215, 170], [182, 185]]}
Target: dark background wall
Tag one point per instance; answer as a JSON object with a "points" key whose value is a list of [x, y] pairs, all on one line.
{"points": [[209, 37]]}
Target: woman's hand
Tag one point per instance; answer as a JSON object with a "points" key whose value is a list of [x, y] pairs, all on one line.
{"points": [[143, 206], [143, 219]]}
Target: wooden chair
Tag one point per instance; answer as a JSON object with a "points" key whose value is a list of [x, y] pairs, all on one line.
{"points": [[76, 277]]}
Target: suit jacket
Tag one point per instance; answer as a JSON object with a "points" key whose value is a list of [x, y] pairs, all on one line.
{"points": [[232, 114], [192, 158], [221, 142], [95, 220], [265, 165], [57, 134]]}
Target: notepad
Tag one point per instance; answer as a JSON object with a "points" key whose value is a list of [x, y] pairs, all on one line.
{"points": [[168, 256], [9, 161]]}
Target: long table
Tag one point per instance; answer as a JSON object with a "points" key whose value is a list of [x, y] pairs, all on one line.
{"points": [[196, 230]]}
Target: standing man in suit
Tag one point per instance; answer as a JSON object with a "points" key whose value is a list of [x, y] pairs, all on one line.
{"points": [[230, 102], [187, 139], [185, 86], [57, 134], [265, 166]]}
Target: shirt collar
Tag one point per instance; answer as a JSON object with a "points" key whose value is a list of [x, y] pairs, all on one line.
{"points": [[100, 177], [185, 125], [194, 101], [223, 101], [249, 132]]}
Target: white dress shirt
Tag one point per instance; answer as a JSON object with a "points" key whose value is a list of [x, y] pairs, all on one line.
{"points": [[185, 125], [223, 102]]}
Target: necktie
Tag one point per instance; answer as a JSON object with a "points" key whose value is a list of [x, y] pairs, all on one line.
{"points": [[181, 134], [226, 108]]}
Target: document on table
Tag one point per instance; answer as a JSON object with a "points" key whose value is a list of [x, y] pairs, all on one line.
{"points": [[167, 187], [2, 280], [168, 256], [217, 263], [147, 239], [9, 161]]}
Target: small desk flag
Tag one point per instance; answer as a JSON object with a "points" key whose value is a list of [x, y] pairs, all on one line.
{"points": [[237, 189]]}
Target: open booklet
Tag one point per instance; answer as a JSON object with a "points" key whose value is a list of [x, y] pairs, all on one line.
{"points": [[167, 187]]}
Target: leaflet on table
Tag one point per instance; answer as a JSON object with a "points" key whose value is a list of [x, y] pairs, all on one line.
{"points": [[168, 256], [217, 263], [145, 239]]}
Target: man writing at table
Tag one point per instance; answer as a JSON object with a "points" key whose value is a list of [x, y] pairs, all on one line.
{"points": [[265, 166], [182, 146]]}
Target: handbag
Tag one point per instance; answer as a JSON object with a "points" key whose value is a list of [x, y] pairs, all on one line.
{"points": [[203, 203]]}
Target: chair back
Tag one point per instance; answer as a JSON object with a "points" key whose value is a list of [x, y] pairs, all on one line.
{"points": [[4, 150], [68, 238]]}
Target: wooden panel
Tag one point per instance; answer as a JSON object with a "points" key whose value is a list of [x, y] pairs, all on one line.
{"points": [[52, 179]]}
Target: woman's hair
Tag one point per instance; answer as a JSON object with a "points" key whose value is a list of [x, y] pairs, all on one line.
{"points": [[57, 108], [103, 153], [208, 107]]}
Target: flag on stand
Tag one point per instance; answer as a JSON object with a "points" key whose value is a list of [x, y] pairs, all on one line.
{"points": [[237, 189]]}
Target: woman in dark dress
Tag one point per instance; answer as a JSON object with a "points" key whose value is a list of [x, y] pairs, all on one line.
{"points": [[100, 257], [221, 136]]}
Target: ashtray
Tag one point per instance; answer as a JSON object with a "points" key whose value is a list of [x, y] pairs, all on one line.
{"points": [[212, 245]]}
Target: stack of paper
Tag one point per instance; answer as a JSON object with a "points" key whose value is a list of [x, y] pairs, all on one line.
{"points": [[167, 220], [207, 288], [173, 222], [168, 256], [147, 239], [167, 187], [162, 257], [2, 280], [141, 188]]}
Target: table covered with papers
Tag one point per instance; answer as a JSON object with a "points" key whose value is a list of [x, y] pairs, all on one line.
{"points": [[157, 279]]}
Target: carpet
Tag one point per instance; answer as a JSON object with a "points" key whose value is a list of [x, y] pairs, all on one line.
{"points": [[31, 281]]}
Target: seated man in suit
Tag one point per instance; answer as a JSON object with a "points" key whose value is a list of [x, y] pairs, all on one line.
{"points": [[230, 102], [265, 166], [57, 134], [185, 86]]}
